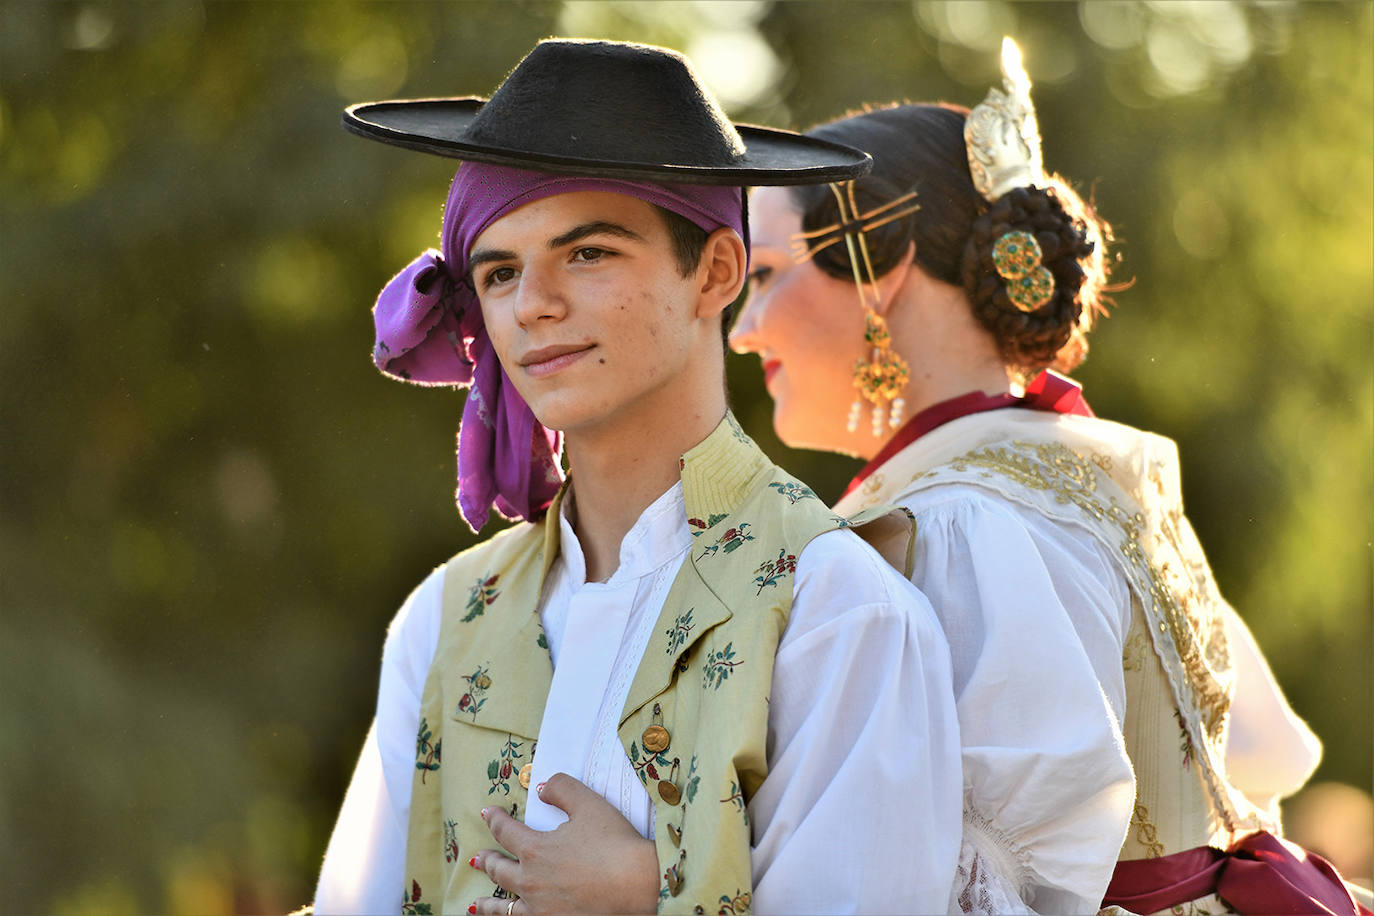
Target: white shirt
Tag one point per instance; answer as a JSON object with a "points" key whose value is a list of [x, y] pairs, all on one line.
{"points": [[860, 811], [1036, 614]]}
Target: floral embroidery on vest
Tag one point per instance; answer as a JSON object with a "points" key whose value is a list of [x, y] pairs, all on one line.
{"points": [[426, 754], [736, 798], [693, 780], [411, 905], [729, 541], [646, 763], [681, 629], [483, 593], [793, 491], [718, 666], [737, 905], [450, 840], [698, 526], [473, 701], [500, 769], [1185, 744], [772, 571]]}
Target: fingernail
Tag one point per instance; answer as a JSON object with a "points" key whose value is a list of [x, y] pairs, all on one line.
{"points": [[539, 789], [472, 909], [484, 814], [473, 862]]}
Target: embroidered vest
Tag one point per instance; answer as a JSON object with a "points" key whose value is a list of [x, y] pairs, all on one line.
{"points": [[705, 677], [1121, 485]]}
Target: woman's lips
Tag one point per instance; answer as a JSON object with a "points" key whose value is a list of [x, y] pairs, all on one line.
{"points": [[546, 361], [770, 369]]}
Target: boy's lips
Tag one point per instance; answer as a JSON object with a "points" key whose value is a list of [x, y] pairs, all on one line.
{"points": [[547, 360]]}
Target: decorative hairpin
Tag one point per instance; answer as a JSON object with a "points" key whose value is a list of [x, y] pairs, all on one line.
{"points": [[1017, 257], [882, 376], [1003, 140], [1002, 134]]}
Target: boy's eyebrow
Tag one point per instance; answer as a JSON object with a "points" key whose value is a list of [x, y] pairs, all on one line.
{"points": [[480, 256], [596, 227]]}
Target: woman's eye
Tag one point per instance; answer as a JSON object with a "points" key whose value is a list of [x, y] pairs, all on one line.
{"points": [[759, 275], [588, 254]]}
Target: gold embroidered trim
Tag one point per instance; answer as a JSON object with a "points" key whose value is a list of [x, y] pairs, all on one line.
{"points": [[1133, 654], [1146, 834], [1184, 620]]}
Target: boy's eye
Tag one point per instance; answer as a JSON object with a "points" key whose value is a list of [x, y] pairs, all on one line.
{"points": [[588, 254], [498, 275]]}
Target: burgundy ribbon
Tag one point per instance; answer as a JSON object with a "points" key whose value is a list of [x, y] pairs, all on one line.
{"points": [[1259, 874]]}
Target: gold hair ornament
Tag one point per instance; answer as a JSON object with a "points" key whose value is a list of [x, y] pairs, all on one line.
{"points": [[1002, 136], [1017, 257], [882, 376]]}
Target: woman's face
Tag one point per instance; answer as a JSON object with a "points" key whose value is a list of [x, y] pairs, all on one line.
{"points": [[807, 328]]}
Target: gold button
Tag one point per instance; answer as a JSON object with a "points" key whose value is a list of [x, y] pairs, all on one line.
{"points": [[675, 835], [669, 792], [525, 772], [655, 739]]}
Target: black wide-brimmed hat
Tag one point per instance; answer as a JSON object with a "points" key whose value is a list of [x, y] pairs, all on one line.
{"points": [[611, 109]]}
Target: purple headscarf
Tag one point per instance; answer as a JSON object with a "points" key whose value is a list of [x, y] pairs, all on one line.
{"points": [[430, 331]]}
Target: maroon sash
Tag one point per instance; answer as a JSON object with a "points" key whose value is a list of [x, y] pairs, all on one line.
{"points": [[1258, 874]]}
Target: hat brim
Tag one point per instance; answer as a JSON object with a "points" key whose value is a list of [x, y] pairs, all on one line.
{"points": [[772, 157]]}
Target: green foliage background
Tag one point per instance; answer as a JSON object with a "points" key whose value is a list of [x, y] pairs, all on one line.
{"points": [[211, 504]]}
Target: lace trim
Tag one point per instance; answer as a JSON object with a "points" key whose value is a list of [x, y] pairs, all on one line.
{"points": [[981, 891], [993, 873]]}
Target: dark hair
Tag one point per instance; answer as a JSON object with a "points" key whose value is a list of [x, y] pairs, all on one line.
{"points": [[921, 148], [689, 240], [687, 237]]}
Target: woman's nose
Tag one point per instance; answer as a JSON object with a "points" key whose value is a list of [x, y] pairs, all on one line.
{"points": [[744, 336]]}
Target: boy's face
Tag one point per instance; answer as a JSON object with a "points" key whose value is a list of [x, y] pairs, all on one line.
{"points": [[588, 311]]}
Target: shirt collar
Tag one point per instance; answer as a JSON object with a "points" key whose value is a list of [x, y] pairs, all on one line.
{"points": [[656, 537], [716, 476]]}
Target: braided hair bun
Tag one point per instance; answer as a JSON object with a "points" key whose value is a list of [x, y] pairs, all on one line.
{"points": [[921, 148], [1030, 339]]}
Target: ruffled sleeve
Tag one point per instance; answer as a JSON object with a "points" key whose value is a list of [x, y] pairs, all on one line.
{"points": [[1036, 616], [1270, 752]]}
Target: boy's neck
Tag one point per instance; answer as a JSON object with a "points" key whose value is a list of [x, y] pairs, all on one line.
{"points": [[619, 471]]}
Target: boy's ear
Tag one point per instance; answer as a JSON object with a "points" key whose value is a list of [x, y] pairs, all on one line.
{"points": [[721, 271]]}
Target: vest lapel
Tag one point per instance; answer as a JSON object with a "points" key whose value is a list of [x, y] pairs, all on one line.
{"points": [[718, 476]]}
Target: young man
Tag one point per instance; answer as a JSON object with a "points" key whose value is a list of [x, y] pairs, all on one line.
{"points": [[721, 699]]}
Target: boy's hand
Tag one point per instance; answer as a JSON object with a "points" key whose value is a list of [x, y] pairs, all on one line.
{"points": [[595, 863]]}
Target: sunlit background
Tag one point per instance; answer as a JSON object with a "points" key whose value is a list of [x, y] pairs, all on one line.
{"points": [[212, 504]]}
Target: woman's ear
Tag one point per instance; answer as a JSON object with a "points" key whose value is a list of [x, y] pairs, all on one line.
{"points": [[722, 271], [891, 284]]}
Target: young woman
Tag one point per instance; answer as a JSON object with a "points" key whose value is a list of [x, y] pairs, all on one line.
{"points": [[1106, 692]]}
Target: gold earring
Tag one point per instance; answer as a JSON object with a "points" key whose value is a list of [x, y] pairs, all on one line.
{"points": [[883, 374]]}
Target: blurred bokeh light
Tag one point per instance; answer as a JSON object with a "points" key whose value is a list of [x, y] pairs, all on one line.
{"points": [[211, 504]]}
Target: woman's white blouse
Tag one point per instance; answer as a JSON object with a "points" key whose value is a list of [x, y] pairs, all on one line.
{"points": [[1036, 615], [860, 811]]}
